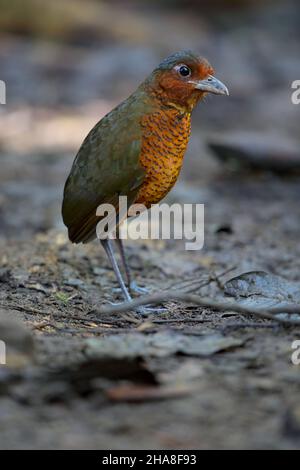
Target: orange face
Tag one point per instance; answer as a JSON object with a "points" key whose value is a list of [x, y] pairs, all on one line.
{"points": [[183, 79]]}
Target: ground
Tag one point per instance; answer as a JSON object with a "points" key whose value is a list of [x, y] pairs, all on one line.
{"points": [[242, 397], [83, 379]]}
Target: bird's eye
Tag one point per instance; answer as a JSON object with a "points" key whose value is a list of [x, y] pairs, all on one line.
{"points": [[184, 71]]}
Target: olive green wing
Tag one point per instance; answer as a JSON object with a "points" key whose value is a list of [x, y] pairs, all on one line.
{"points": [[107, 166]]}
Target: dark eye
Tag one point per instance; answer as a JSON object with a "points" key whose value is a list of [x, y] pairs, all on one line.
{"points": [[184, 71]]}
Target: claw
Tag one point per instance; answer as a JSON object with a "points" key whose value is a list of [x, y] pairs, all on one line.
{"points": [[139, 290]]}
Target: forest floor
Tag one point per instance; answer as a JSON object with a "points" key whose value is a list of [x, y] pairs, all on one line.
{"points": [[74, 393]]}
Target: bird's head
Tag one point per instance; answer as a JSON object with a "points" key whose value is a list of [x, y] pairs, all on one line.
{"points": [[182, 79]]}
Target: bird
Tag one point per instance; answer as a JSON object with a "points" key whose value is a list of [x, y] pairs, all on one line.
{"points": [[136, 151]]}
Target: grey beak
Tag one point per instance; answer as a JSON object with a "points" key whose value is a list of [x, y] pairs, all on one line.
{"points": [[212, 85]]}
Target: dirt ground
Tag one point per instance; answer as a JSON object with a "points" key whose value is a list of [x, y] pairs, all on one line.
{"points": [[79, 379]]}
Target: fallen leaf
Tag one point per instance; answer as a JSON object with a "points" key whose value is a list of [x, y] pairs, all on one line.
{"points": [[159, 344], [258, 289]]}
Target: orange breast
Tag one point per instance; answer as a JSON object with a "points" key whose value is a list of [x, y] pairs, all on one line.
{"points": [[165, 138]]}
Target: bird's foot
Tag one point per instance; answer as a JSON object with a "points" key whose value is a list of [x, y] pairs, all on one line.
{"points": [[137, 289], [144, 311]]}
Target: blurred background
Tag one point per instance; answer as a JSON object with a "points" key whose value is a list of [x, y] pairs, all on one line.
{"points": [[67, 63]]}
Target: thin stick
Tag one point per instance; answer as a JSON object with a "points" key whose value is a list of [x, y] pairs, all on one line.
{"points": [[158, 298], [191, 284], [180, 320], [236, 326]]}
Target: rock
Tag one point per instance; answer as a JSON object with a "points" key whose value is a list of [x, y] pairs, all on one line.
{"points": [[257, 151], [16, 342]]}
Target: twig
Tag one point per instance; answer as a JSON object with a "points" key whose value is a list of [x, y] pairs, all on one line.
{"points": [[180, 320], [238, 325], [98, 330], [191, 285], [45, 324], [158, 298]]}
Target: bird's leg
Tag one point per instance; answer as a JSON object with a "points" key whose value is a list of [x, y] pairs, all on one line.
{"points": [[132, 285], [143, 311], [124, 260], [111, 256]]}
